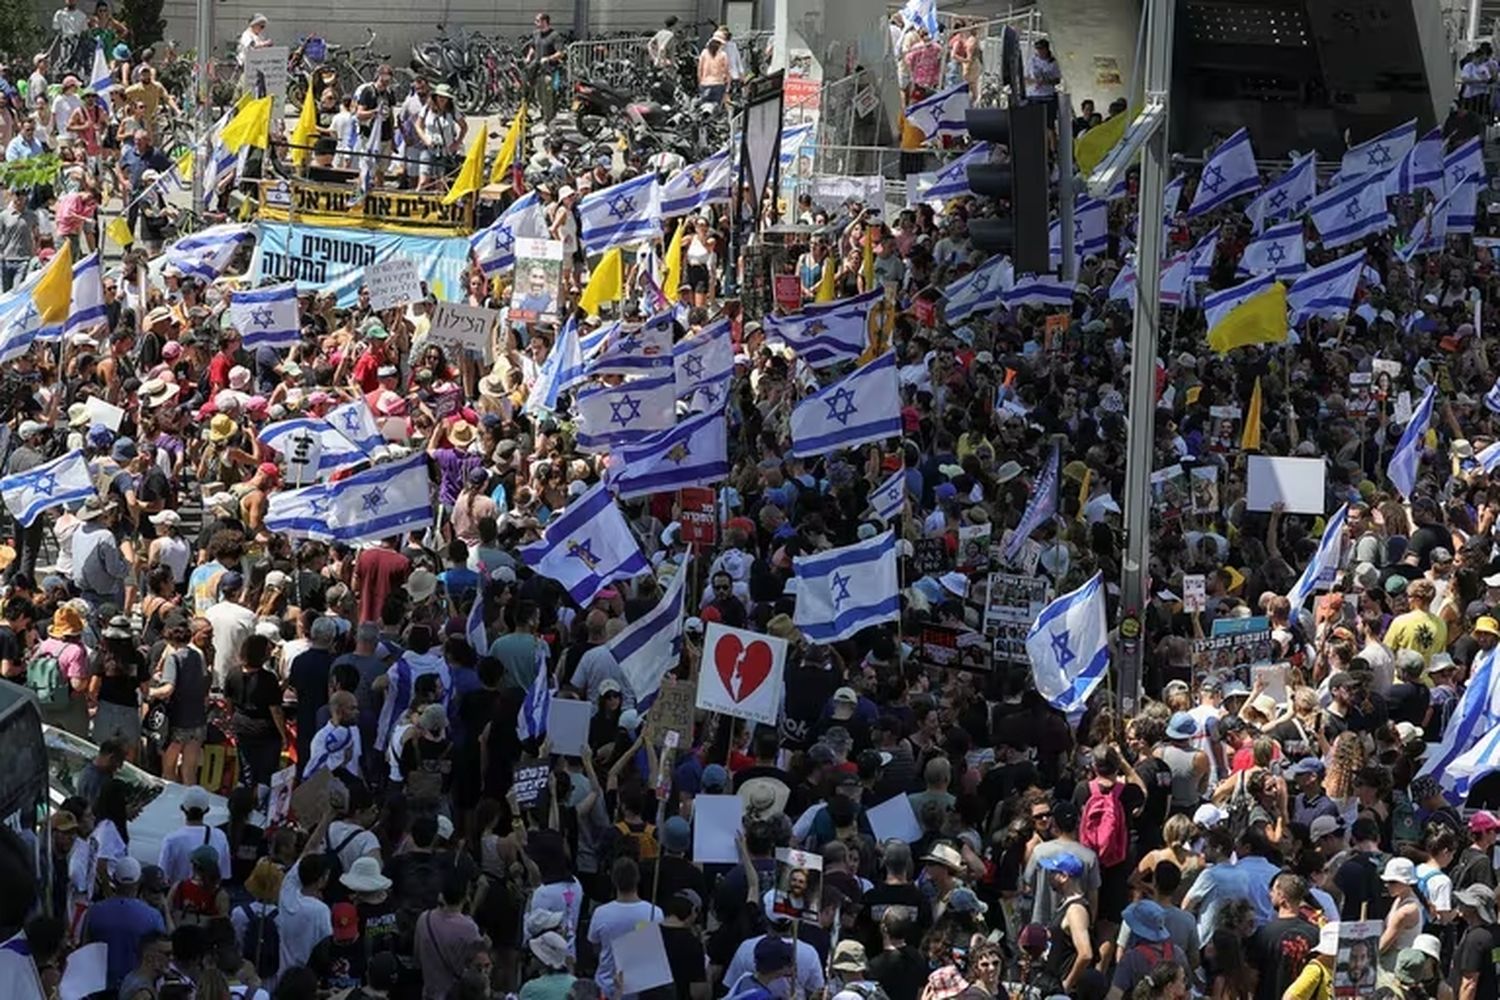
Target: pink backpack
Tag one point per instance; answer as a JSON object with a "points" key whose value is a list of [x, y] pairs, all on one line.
{"points": [[1102, 827]]}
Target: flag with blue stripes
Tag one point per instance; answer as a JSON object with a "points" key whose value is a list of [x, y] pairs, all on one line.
{"points": [[627, 212], [861, 407], [1322, 569], [591, 340], [337, 451], [1172, 199], [1420, 168], [922, 13], [1466, 161], [888, 500], [1476, 714], [1041, 508], [613, 415], [1429, 234], [474, 630], [697, 184], [1176, 276], [650, 647], [1201, 257], [18, 969], [355, 422], [1090, 231], [1480, 760], [401, 678], [531, 723], [981, 290], [845, 590], [792, 140], [267, 317], [206, 253], [1351, 211], [1463, 201], [494, 246], [60, 481], [370, 161], [641, 350], [952, 181], [941, 114], [1287, 195], [693, 453], [1402, 471], [828, 333], [392, 498], [704, 360], [1280, 250], [1229, 173], [1123, 288], [563, 368], [1489, 457], [20, 320], [86, 306], [586, 546], [1380, 154], [1039, 290], [1328, 290], [1069, 649], [100, 79]]}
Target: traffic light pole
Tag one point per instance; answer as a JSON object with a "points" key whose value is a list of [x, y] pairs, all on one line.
{"points": [[1141, 426]]}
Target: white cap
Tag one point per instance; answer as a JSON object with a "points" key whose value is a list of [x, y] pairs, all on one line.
{"points": [[1209, 816], [196, 798], [445, 828], [127, 871]]}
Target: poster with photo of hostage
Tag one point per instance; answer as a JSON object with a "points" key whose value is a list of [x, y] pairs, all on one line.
{"points": [[799, 884], [538, 281], [1231, 656], [1358, 960]]}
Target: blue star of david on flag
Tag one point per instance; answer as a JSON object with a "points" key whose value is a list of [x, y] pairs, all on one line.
{"points": [[692, 366], [1380, 155], [618, 408], [1278, 198], [584, 552], [841, 406], [1213, 178], [39, 483], [840, 584], [620, 206], [351, 421], [318, 505], [374, 499], [1276, 253], [1351, 210], [1060, 649], [263, 317]]}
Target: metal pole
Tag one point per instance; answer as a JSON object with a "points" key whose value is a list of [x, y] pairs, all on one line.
{"points": [[204, 60], [1475, 13], [1140, 429], [1066, 189]]}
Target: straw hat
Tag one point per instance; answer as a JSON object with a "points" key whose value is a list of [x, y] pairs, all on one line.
{"points": [[221, 428], [65, 622]]}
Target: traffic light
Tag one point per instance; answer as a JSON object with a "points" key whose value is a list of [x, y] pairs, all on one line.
{"points": [[1024, 182]]}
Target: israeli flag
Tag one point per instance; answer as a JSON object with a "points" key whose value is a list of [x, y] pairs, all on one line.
{"points": [[1229, 173], [591, 342], [1462, 202], [1489, 457], [1351, 212], [474, 629], [336, 451], [1379, 154], [861, 407], [401, 678], [1123, 288], [267, 317], [698, 184], [563, 367], [1090, 231], [355, 422], [1403, 468], [1328, 290], [1039, 290], [842, 591], [1280, 250], [1201, 257], [100, 79], [650, 647], [942, 114], [587, 546], [888, 500], [301, 513], [1324, 563], [1287, 195], [1474, 718], [628, 212], [20, 320], [62, 480], [1463, 163], [494, 247], [206, 253], [86, 307], [1430, 233], [922, 13], [614, 415], [792, 140], [952, 181], [981, 290], [704, 359], [1068, 648], [1041, 508], [829, 333], [392, 498], [693, 453], [531, 723], [640, 351], [1421, 168], [1172, 198], [1176, 275]]}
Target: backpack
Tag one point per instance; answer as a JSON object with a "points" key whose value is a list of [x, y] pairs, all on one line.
{"points": [[262, 941], [331, 853], [425, 782], [1103, 828], [1406, 825], [1241, 804], [1423, 896], [45, 678], [639, 844]]}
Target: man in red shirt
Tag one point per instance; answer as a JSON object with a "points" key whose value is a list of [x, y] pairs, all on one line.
{"points": [[378, 571], [367, 367], [220, 363]]}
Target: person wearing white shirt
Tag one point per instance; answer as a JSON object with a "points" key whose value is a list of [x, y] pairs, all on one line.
{"points": [[809, 966], [178, 846], [69, 22], [625, 913], [253, 37], [302, 918], [337, 745], [232, 623]]}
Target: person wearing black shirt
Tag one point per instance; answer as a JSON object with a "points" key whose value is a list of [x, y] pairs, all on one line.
{"points": [[254, 697], [1474, 968], [544, 55], [684, 947], [19, 615], [1283, 945], [1358, 877], [895, 898], [678, 874], [899, 968]]}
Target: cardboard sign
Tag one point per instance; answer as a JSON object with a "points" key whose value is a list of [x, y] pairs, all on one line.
{"points": [[465, 327], [1014, 601], [788, 292], [1231, 656], [310, 799], [538, 280], [304, 453], [716, 820], [266, 75], [672, 712], [1358, 959], [1026, 559], [280, 804], [741, 674], [1272, 678], [955, 648], [641, 959], [799, 884], [1203, 482], [699, 526], [867, 100], [1402, 410], [894, 819], [393, 282], [530, 782], [1194, 592], [568, 726], [974, 548], [1297, 483], [102, 411], [931, 557]]}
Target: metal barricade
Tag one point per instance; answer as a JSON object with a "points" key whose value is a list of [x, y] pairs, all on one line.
{"points": [[592, 58]]}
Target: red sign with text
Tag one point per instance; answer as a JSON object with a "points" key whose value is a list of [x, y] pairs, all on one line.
{"points": [[699, 525]]}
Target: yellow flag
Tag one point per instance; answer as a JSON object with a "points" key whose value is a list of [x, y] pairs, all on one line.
{"points": [[1090, 149], [54, 289], [119, 232], [508, 146], [1250, 436], [250, 126], [471, 174], [1083, 491], [671, 268], [306, 129], [825, 283], [606, 283], [867, 266], [1260, 319]]}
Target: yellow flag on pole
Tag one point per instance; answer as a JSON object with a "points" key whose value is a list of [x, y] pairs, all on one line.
{"points": [[671, 269], [867, 266], [1260, 319], [508, 146], [825, 283], [306, 129], [1090, 149], [54, 289], [471, 175], [1250, 436], [606, 283], [118, 231], [250, 126]]}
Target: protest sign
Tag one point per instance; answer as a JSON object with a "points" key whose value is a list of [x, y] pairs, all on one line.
{"points": [[1012, 604], [1358, 958], [672, 712], [696, 515], [1296, 483], [86, 972], [788, 292], [335, 260], [1401, 412], [529, 782], [1224, 432], [1170, 493], [1204, 481], [833, 192], [716, 821], [974, 548], [741, 673], [568, 726], [1231, 656], [266, 75], [924, 311], [1026, 558], [1194, 592], [956, 648], [641, 959], [309, 800], [393, 282], [465, 327], [102, 411], [893, 819], [799, 884], [538, 280], [280, 803], [930, 556], [1272, 679], [1238, 626]]}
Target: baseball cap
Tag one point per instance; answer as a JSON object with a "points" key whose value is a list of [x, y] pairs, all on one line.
{"points": [[1066, 862], [345, 923], [1324, 826], [195, 799], [1483, 821], [772, 954], [127, 871]]}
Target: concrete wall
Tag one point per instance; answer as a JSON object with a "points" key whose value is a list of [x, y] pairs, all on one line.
{"points": [[1095, 45]]}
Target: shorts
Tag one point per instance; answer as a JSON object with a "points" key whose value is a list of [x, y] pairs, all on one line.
{"points": [[187, 734], [119, 722]]}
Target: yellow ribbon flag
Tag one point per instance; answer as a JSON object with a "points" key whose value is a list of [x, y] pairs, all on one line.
{"points": [[1090, 149], [471, 175], [250, 126], [1250, 436], [1083, 491], [508, 146], [54, 289], [606, 283], [825, 283], [306, 129], [671, 268], [867, 266], [1260, 319], [118, 231]]}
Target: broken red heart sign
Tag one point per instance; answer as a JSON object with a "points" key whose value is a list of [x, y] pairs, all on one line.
{"points": [[742, 668]]}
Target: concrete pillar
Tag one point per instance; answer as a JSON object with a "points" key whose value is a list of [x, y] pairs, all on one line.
{"points": [[1094, 44]]}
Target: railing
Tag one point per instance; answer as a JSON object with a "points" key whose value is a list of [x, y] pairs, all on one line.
{"points": [[584, 57]]}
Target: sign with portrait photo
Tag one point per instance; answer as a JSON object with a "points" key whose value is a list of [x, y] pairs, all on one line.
{"points": [[1359, 958], [799, 884], [538, 283]]}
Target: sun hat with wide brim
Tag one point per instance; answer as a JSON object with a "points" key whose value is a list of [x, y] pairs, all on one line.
{"points": [[364, 876]]}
